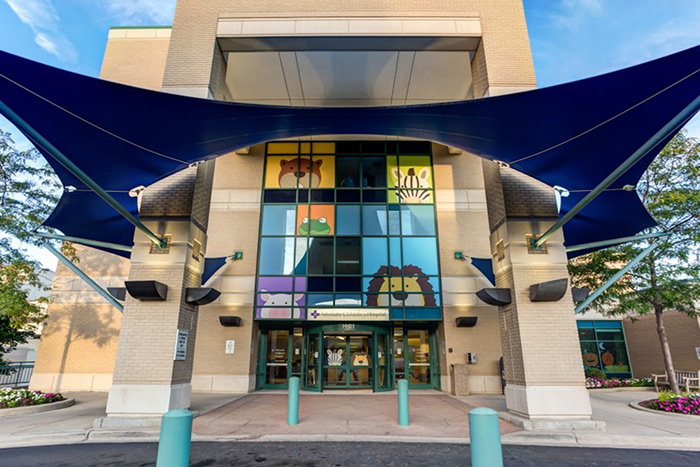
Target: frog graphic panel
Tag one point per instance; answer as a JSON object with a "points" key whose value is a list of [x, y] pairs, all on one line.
{"points": [[319, 221], [411, 178]]}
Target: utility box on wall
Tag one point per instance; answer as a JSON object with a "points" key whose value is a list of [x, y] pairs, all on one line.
{"points": [[460, 379]]}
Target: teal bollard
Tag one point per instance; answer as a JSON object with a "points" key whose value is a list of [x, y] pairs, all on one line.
{"points": [[175, 437], [403, 402], [293, 404], [485, 438]]}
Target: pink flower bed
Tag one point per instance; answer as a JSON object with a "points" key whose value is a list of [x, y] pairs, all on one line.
{"points": [[688, 405], [593, 382]]}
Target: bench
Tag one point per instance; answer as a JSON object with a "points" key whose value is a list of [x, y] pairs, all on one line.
{"points": [[688, 379]]}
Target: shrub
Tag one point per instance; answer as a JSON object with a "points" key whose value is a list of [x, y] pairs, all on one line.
{"points": [[595, 373], [594, 382], [10, 398]]}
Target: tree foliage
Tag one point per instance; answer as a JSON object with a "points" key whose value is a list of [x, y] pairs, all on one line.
{"points": [[666, 279], [28, 193]]}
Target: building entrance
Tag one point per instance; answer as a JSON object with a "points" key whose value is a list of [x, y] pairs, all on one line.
{"points": [[329, 357]]}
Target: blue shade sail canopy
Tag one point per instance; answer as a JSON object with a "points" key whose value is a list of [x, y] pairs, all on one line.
{"points": [[212, 266], [572, 135], [485, 267]]}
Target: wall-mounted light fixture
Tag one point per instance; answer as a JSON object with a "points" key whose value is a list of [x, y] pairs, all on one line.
{"points": [[549, 291], [466, 321], [147, 291], [201, 295], [230, 321], [117, 292], [494, 296]]}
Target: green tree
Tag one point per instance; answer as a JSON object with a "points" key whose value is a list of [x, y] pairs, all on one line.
{"points": [[28, 193], [667, 279]]}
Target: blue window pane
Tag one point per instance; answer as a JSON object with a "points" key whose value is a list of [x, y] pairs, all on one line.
{"points": [[584, 324], [608, 324], [395, 252], [374, 255], [394, 220], [313, 299], [279, 220], [347, 220], [417, 220], [374, 220], [348, 299], [276, 256], [421, 252]]}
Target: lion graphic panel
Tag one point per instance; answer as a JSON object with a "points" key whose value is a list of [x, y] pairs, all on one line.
{"points": [[388, 289]]}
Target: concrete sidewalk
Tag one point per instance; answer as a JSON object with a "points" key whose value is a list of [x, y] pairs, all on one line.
{"points": [[435, 417]]}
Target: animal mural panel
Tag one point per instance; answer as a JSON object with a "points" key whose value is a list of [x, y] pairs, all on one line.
{"points": [[293, 172], [415, 289], [319, 222], [281, 298], [411, 178]]}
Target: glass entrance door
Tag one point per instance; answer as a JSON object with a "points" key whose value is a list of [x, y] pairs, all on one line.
{"points": [[277, 359], [347, 361], [415, 358]]}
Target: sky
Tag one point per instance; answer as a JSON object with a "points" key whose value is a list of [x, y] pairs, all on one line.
{"points": [[570, 39]]}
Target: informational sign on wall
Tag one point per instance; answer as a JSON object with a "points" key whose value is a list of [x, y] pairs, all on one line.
{"points": [[230, 346], [181, 345], [344, 314]]}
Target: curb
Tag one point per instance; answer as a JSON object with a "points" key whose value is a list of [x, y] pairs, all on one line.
{"points": [[17, 411], [635, 405], [552, 439], [639, 388]]}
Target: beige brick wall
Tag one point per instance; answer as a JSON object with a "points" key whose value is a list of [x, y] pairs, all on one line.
{"points": [[645, 350], [193, 55], [136, 57]]}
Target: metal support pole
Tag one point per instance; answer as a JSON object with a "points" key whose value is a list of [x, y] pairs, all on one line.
{"points": [[659, 136], [293, 402], [616, 277], [616, 241], [85, 277], [36, 138], [485, 438], [84, 241], [403, 402], [175, 439]]}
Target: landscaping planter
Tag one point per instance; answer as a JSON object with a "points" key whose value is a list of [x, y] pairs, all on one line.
{"points": [[639, 406], [16, 411]]}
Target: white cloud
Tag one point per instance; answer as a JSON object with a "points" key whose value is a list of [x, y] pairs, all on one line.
{"points": [[572, 13], [139, 12], [41, 17]]}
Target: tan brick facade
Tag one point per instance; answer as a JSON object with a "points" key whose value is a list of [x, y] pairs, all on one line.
{"points": [[218, 205], [645, 350]]}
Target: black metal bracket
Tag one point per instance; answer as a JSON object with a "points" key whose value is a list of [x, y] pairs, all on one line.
{"points": [[550, 291], [580, 293]]}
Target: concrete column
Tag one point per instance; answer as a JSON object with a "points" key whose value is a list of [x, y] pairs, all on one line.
{"points": [[545, 383], [148, 380]]}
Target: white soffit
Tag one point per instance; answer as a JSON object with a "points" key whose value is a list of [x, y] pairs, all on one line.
{"points": [[344, 78]]}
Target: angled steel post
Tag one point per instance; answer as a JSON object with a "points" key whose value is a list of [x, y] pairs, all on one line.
{"points": [[84, 241], [36, 138], [85, 277], [616, 241], [616, 277], [667, 129]]}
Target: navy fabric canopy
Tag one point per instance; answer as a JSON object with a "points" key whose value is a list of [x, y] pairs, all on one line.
{"points": [[572, 135]]}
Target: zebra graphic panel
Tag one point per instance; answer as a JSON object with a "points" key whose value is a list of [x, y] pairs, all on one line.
{"points": [[412, 179]]}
